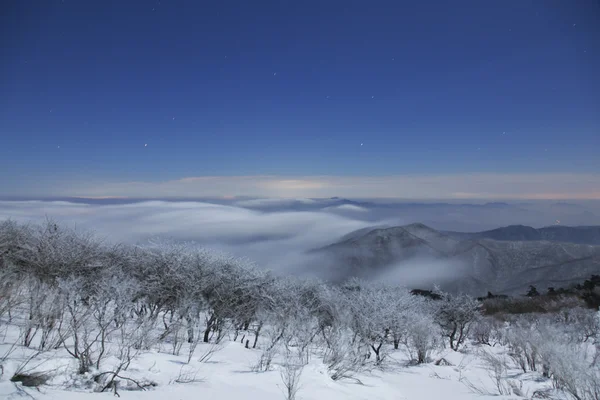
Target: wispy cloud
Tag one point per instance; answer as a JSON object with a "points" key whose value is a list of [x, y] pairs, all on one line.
{"points": [[441, 186], [277, 240]]}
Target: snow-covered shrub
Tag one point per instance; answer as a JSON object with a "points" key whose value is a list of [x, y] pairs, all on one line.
{"points": [[379, 311], [545, 343], [346, 354], [422, 337], [497, 366], [455, 316], [583, 323], [570, 371], [290, 373], [287, 318], [487, 330]]}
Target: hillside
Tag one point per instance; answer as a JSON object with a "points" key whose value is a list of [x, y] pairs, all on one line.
{"points": [[462, 262]]}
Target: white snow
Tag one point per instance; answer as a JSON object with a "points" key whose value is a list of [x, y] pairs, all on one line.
{"points": [[228, 375]]}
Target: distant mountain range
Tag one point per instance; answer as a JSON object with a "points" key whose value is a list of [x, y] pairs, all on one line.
{"points": [[505, 260], [556, 233]]}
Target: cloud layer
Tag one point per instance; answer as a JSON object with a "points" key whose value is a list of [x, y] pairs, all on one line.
{"points": [[276, 233], [272, 239]]}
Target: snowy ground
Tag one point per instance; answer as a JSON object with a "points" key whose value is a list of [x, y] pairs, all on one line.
{"points": [[228, 375]]}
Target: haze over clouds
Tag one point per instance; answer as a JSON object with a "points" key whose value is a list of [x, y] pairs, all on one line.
{"points": [[486, 186], [464, 186]]}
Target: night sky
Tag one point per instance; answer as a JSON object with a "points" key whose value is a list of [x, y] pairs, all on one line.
{"points": [[150, 91]]}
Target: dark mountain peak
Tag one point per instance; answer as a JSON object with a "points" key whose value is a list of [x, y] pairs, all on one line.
{"points": [[394, 231], [553, 233], [418, 225], [496, 204], [340, 201], [516, 228], [416, 229], [380, 236], [513, 232]]}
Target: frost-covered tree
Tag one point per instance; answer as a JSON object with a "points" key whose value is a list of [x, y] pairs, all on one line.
{"points": [[487, 330], [455, 315], [371, 314], [422, 335]]}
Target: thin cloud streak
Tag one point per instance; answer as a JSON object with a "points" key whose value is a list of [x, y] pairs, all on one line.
{"points": [[449, 186]]}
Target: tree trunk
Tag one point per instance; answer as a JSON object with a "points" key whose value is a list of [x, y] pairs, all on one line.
{"points": [[452, 336], [376, 350], [209, 326], [190, 329], [256, 335]]}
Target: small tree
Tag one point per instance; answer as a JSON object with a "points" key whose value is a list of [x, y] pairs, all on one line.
{"points": [[532, 292], [372, 311], [422, 337], [455, 315]]}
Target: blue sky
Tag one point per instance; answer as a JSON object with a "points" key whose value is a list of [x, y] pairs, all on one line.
{"points": [[292, 89]]}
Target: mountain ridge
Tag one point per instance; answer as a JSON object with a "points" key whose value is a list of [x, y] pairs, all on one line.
{"points": [[585, 234], [472, 263]]}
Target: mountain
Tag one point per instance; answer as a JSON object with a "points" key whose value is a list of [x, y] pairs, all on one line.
{"points": [[416, 254], [556, 233]]}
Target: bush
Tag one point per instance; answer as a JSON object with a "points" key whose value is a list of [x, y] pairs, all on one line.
{"points": [[455, 316], [422, 338], [530, 305], [32, 379]]}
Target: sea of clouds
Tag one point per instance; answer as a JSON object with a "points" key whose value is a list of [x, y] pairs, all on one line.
{"points": [[277, 233]]}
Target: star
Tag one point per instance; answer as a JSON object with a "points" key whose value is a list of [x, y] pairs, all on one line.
{"points": [[173, 118], [504, 133], [361, 144], [59, 147], [574, 24], [372, 97], [146, 145], [274, 73]]}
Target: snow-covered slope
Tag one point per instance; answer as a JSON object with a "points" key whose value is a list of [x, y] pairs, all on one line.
{"points": [[228, 376]]}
